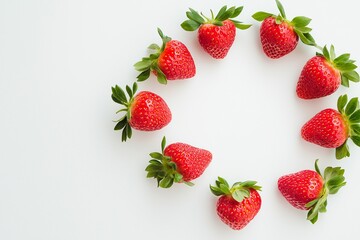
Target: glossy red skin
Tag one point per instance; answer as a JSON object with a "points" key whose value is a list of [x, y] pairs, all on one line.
{"points": [[217, 40], [301, 187], [191, 161], [277, 39], [238, 214], [327, 129], [318, 78], [149, 112], [176, 61]]}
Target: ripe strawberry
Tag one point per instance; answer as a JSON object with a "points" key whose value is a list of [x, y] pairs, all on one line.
{"points": [[178, 162], [308, 189], [331, 129], [237, 205], [323, 74], [172, 61], [146, 111], [279, 36], [215, 35]]}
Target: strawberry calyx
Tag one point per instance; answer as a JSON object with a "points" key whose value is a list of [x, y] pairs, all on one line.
{"points": [[342, 63], [238, 191], [150, 63], [196, 20], [118, 95], [299, 23], [351, 114], [333, 180], [163, 169]]}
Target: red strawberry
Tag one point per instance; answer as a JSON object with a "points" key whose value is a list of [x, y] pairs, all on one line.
{"points": [[146, 111], [279, 36], [172, 61], [331, 129], [215, 35], [323, 74], [237, 205], [308, 189], [178, 162]]}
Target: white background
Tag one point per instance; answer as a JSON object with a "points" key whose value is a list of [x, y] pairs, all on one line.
{"points": [[64, 172]]}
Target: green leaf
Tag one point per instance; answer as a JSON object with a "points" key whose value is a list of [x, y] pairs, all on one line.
{"points": [[161, 78], [355, 117], [144, 75], [310, 40], [163, 144], [217, 23], [134, 88], [346, 67], [303, 29], [178, 177], [335, 180], [155, 162], [326, 53], [301, 21], [317, 167], [154, 47], [352, 76], [119, 95], [221, 12], [335, 189], [240, 25], [124, 134], [345, 81], [216, 191], [226, 15], [237, 12], [332, 53], [222, 181], [121, 124], [128, 131], [261, 16], [143, 65], [225, 189], [166, 182], [129, 91], [190, 25], [156, 155], [355, 128], [311, 203], [195, 16], [356, 140], [116, 100], [281, 9], [154, 168], [341, 103], [239, 195], [306, 38], [342, 58], [351, 106], [342, 151]]}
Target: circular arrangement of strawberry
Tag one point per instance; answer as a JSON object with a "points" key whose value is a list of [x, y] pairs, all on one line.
{"points": [[321, 76]]}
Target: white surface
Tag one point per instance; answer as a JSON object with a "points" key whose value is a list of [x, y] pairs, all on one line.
{"points": [[64, 172]]}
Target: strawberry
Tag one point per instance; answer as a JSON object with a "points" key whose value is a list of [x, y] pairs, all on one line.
{"points": [[323, 74], [172, 61], [177, 162], [308, 189], [216, 34], [145, 111], [331, 128], [279, 36], [237, 205]]}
